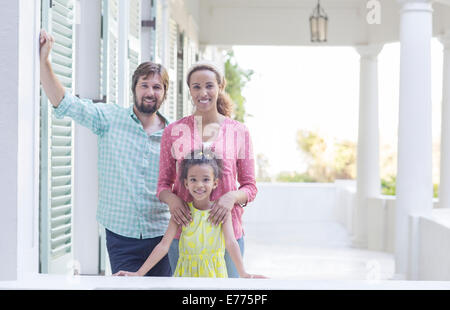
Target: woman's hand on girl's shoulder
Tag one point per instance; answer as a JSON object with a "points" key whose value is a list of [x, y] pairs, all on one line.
{"points": [[180, 211], [221, 209]]}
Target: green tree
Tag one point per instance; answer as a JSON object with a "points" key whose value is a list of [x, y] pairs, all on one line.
{"points": [[236, 78], [314, 148], [345, 160], [325, 165], [388, 187], [294, 177]]}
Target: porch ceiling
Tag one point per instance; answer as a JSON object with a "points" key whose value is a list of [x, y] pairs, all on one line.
{"points": [[286, 22]]}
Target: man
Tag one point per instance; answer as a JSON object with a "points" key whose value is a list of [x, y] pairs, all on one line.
{"points": [[128, 160]]}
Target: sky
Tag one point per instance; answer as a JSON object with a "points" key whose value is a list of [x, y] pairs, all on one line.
{"points": [[317, 88]]}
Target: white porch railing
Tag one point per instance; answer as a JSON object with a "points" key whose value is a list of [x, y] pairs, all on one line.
{"points": [[300, 203], [278, 202]]}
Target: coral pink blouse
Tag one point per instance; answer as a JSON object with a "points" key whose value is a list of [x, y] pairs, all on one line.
{"points": [[232, 145]]}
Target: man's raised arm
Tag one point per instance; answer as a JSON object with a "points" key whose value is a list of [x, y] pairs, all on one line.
{"points": [[52, 86]]}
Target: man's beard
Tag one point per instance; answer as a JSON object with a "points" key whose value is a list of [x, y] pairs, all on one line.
{"points": [[147, 109]]}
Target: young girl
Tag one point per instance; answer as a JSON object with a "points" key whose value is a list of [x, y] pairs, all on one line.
{"points": [[202, 244]]}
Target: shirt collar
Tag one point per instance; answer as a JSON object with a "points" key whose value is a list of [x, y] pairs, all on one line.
{"points": [[136, 119]]}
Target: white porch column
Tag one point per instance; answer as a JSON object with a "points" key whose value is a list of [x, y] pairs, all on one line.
{"points": [[124, 84], [368, 172], [86, 238], [414, 172], [444, 193], [19, 139], [147, 50], [165, 60]]}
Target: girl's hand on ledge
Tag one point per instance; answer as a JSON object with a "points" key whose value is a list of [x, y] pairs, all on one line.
{"points": [[254, 276], [123, 273]]}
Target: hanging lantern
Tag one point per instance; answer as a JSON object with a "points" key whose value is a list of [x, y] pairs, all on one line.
{"points": [[318, 22]]}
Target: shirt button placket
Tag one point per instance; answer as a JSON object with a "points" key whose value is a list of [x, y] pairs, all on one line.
{"points": [[142, 202]]}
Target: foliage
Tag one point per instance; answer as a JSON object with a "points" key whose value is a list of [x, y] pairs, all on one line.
{"points": [[294, 177], [236, 78], [388, 187], [345, 160], [326, 164]]}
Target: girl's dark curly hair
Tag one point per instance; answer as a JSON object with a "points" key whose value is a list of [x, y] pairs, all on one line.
{"points": [[200, 157]]}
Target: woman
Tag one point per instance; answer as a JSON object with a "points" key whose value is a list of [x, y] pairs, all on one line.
{"points": [[209, 127]]}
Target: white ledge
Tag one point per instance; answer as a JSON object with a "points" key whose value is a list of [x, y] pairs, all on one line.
{"points": [[61, 282]]}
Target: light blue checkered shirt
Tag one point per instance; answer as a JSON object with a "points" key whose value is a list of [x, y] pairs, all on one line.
{"points": [[128, 167]]}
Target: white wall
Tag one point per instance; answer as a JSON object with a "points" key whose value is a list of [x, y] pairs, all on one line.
{"points": [[279, 202], [9, 135], [434, 246], [345, 203], [146, 32], [86, 243], [381, 223], [185, 13], [19, 130], [431, 248]]}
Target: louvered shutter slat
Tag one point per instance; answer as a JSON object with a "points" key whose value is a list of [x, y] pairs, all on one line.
{"points": [[61, 180], [62, 170], [66, 3], [63, 39], [62, 60], [61, 246], [61, 121], [59, 249], [134, 43], [61, 210], [64, 72], [61, 49], [60, 25], [61, 222], [60, 150], [61, 130], [60, 8]]}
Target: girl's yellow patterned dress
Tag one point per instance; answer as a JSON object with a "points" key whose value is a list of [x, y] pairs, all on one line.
{"points": [[201, 248]]}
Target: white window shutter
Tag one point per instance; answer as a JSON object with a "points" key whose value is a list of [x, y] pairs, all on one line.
{"points": [[187, 64], [159, 38], [190, 59], [56, 165], [170, 105], [134, 40], [181, 59], [153, 32], [110, 51]]}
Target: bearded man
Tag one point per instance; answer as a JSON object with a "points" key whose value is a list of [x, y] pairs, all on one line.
{"points": [[128, 160]]}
